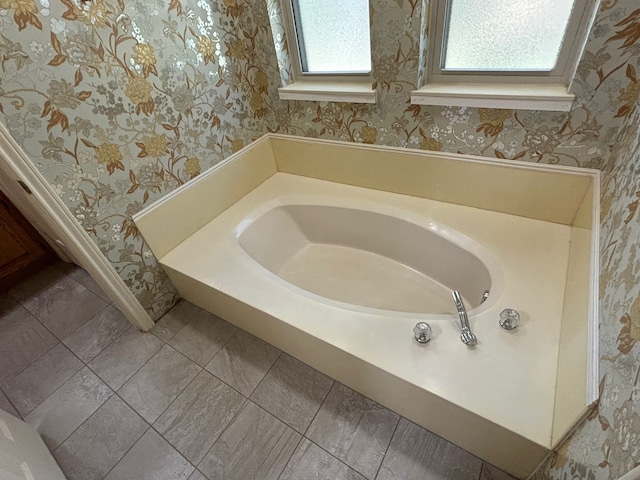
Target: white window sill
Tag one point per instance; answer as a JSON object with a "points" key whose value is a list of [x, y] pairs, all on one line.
{"points": [[517, 97], [352, 92]]}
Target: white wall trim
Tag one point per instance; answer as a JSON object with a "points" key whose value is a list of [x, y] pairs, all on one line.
{"points": [[517, 97], [323, 91], [60, 225], [593, 366]]}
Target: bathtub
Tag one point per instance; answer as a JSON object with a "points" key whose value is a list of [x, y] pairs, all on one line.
{"points": [[349, 257], [338, 273]]}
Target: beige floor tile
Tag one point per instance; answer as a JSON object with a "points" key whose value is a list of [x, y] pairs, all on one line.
{"points": [[97, 334], [69, 316], [100, 442], [68, 407], [202, 337], [198, 416], [417, 454], [256, 445], [293, 392], [243, 362], [152, 389], [152, 458], [42, 378], [354, 429], [119, 361]]}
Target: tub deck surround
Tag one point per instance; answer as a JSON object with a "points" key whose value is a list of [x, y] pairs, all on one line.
{"points": [[478, 379], [510, 399]]}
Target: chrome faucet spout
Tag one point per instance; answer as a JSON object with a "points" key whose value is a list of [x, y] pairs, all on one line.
{"points": [[467, 337]]}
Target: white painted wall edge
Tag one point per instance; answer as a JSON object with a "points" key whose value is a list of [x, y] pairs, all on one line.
{"points": [[325, 91], [593, 334], [60, 225], [518, 97]]}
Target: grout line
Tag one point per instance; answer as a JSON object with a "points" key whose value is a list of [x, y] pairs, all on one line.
{"points": [[228, 339], [106, 383], [46, 287], [228, 384], [58, 342], [183, 326], [129, 449], [233, 419], [11, 403], [132, 409], [151, 427], [63, 383], [481, 470], [112, 342], [200, 472], [85, 421], [201, 369], [87, 321], [74, 354], [265, 376], [276, 418], [151, 424], [176, 398], [293, 452], [335, 382], [5, 382], [214, 375], [320, 407], [78, 427], [108, 345], [43, 354], [386, 450], [336, 458]]}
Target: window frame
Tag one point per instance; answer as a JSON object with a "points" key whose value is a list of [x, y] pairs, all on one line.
{"points": [[534, 89], [575, 35], [354, 87]]}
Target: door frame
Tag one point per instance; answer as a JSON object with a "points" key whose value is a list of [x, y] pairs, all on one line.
{"points": [[39, 203]]}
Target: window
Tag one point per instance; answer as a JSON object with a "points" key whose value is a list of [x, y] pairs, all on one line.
{"points": [[333, 37], [330, 50], [504, 53]]}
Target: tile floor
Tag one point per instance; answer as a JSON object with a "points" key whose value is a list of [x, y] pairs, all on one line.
{"points": [[195, 399]]}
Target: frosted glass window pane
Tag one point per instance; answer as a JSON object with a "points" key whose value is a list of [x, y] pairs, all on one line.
{"points": [[333, 35], [505, 34]]}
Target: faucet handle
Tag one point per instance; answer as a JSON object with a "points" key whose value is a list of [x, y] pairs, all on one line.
{"points": [[422, 331], [509, 319]]}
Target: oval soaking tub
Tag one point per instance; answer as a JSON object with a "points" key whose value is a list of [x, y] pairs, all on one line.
{"points": [[367, 258]]}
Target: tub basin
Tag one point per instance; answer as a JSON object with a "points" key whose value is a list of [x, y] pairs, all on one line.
{"points": [[365, 258]]}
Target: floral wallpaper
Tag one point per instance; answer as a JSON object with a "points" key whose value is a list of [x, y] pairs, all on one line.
{"points": [[118, 102], [606, 87], [607, 445]]}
